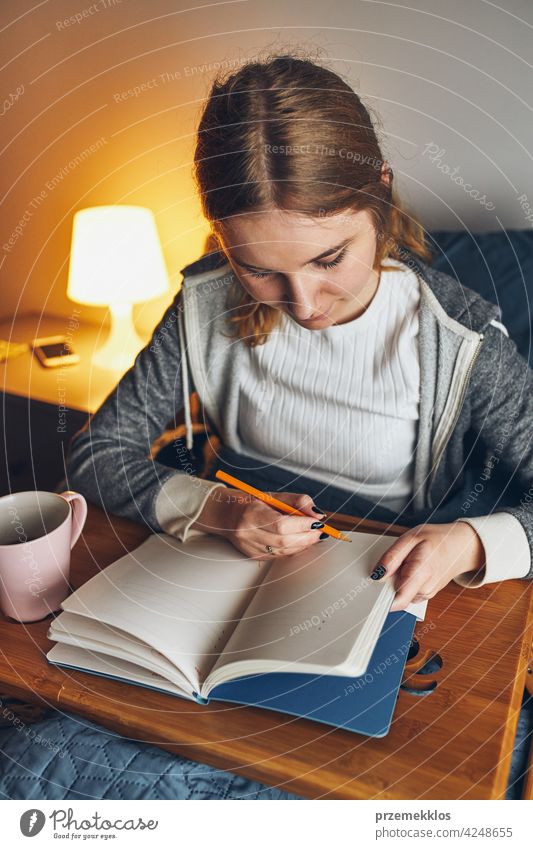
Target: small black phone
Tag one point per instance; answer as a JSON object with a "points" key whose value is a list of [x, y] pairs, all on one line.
{"points": [[53, 351]]}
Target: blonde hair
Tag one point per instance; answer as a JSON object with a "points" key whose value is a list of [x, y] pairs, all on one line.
{"points": [[289, 104]]}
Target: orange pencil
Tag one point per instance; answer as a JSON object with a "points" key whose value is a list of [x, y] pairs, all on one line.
{"points": [[274, 502]]}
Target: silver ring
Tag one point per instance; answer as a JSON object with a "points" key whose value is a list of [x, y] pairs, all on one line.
{"points": [[270, 549]]}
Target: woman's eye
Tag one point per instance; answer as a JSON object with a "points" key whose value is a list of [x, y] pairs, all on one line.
{"points": [[332, 263]]}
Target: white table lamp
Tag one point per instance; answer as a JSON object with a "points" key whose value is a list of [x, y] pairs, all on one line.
{"points": [[116, 261]]}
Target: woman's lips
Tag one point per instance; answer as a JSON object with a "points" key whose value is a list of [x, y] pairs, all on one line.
{"points": [[319, 315], [316, 317]]}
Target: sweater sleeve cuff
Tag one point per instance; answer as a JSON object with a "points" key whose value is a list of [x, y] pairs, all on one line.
{"points": [[507, 552], [180, 501]]}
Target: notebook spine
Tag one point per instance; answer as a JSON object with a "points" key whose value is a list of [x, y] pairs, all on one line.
{"points": [[200, 699]]}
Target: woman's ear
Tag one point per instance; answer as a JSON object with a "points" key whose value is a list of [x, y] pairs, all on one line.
{"points": [[386, 174], [212, 243]]}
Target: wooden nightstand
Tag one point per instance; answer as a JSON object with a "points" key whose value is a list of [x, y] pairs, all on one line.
{"points": [[43, 407]]}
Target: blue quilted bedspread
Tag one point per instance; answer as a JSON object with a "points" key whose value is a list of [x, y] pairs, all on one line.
{"points": [[63, 756]]}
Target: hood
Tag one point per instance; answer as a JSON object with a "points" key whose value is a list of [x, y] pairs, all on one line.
{"points": [[451, 300], [460, 303], [207, 263]]}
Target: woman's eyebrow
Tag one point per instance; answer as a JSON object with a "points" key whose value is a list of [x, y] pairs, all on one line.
{"points": [[320, 256]]}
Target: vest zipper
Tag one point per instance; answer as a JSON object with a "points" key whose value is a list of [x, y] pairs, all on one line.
{"points": [[456, 414]]}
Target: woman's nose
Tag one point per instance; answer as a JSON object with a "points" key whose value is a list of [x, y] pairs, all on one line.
{"points": [[300, 298]]}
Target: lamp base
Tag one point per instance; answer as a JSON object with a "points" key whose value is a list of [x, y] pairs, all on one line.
{"points": [[123, 343]]}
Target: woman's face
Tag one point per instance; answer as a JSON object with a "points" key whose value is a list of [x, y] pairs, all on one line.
{"points": [[318, 271]]}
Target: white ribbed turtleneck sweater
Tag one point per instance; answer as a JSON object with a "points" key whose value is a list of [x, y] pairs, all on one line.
{"points": [[340, 404]]}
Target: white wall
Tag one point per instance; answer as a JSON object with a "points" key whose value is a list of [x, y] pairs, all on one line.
{"points": [[453, 78]]}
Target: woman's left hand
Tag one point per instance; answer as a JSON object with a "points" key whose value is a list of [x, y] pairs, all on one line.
{"points": [[426, 558]]}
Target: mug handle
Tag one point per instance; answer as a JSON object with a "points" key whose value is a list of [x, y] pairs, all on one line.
{"points": [[79, 513]]}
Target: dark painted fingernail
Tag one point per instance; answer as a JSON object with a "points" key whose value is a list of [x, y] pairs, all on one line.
{"points": [[378, 572], [317, 525], [317, 510], [323, 536]]}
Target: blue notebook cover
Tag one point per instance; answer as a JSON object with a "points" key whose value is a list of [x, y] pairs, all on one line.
{"points": [[364, 704]]}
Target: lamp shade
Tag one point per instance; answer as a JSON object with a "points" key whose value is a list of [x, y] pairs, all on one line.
{"points": [[115, 256]]}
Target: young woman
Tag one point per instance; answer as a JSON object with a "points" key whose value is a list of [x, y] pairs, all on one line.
{"points": [[326, 352]]}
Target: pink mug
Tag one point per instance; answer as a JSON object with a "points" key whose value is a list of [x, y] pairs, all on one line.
{"points": [[37, 531]]}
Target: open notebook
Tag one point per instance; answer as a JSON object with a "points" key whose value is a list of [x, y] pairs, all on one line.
{"points": [[186, 618]]}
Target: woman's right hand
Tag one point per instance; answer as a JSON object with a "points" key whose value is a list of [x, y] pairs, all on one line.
{"points": [[251, 525]]}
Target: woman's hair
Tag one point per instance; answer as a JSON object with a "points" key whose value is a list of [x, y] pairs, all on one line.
{"points": [[287, 133]]}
